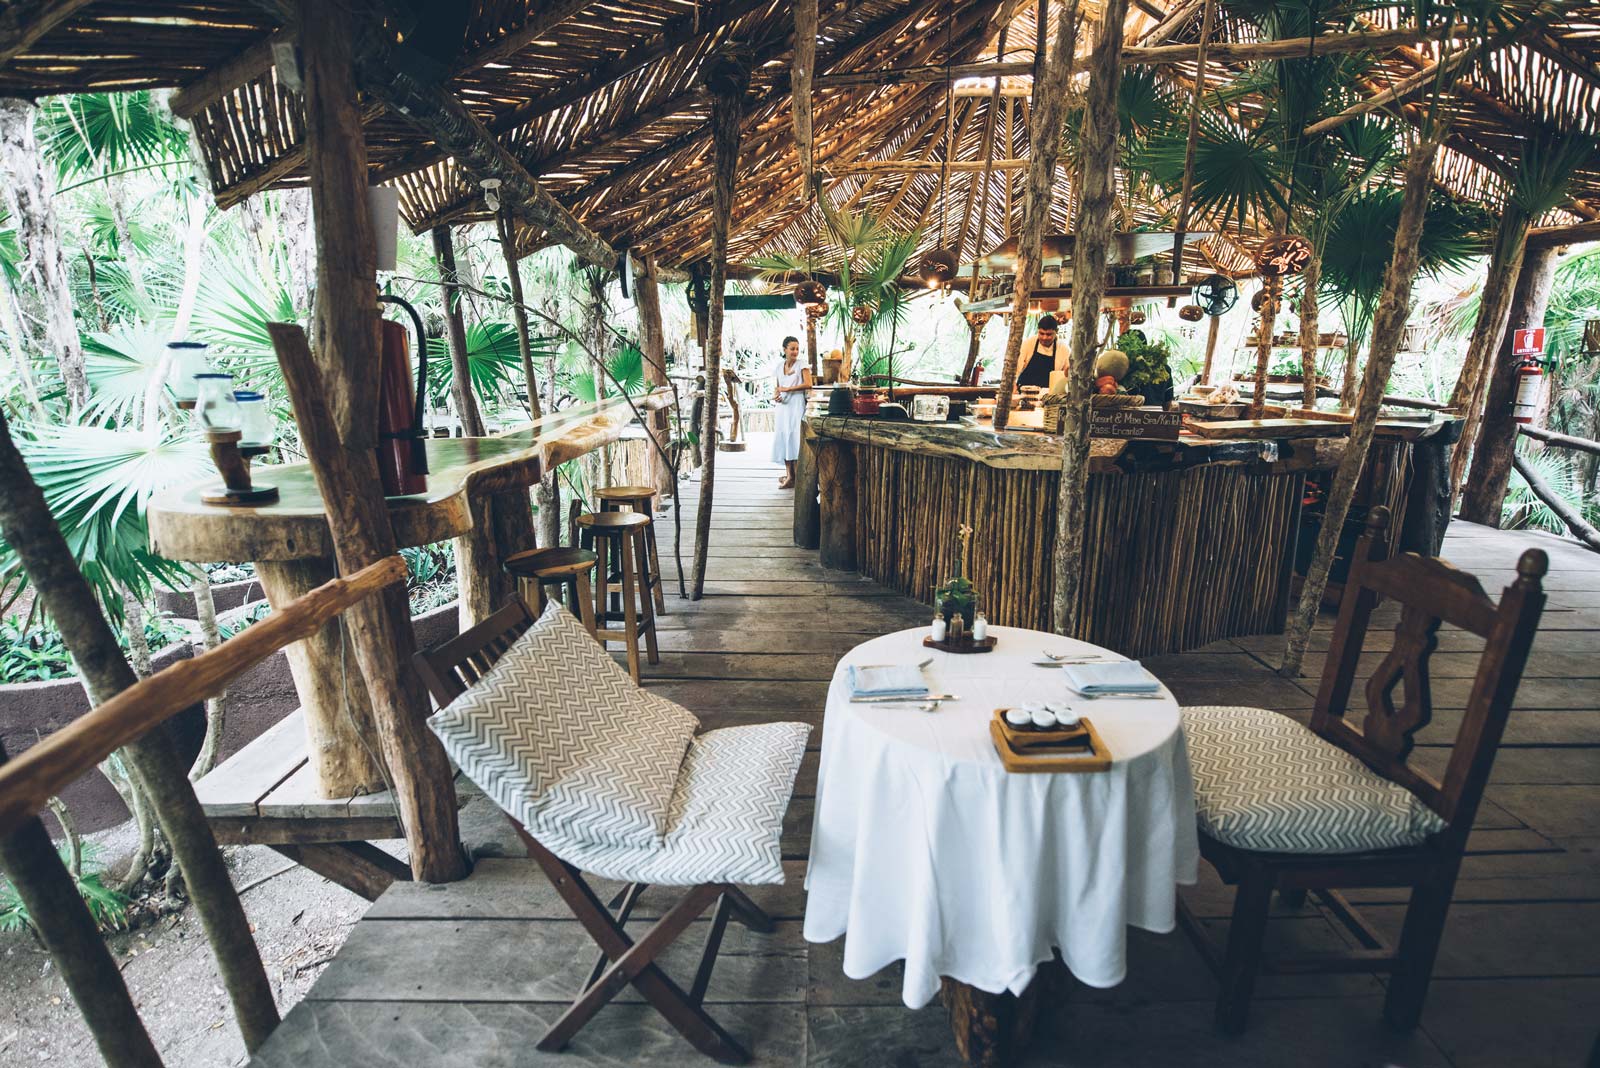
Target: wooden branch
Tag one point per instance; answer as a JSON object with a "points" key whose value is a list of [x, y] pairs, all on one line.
{"points": [[29, 781], [937, 73], [519, 313], [896, 166], [1563, 441], [1187, 196], [56, 909], [1400, 90], [24, 22], [1580, 527], [1295, 47], [805, 61], [444, 255], [1573, 234], [1096, 183]]}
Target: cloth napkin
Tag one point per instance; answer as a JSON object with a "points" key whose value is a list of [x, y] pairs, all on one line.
{"points": [[887, 680], [1122, 677]]}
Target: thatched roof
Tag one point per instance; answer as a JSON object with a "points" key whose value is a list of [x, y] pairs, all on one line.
{"points": [[602, 102]]}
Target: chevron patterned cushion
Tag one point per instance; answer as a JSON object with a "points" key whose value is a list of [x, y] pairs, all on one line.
{"points": [[562, 739], [727, 814], [1264, 782]]}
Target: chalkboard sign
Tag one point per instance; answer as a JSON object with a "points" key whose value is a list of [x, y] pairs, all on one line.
{"points": [[1149, 423]]}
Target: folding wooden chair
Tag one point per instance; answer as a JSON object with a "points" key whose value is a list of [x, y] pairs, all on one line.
{"points": [[1239, 799], [449, 670]]}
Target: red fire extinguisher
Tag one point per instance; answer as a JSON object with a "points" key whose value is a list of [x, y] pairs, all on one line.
{"points": [[402, 450], [1530, 389]]}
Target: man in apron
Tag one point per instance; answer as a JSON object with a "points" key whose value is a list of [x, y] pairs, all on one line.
{"points": [[1040, 356]]}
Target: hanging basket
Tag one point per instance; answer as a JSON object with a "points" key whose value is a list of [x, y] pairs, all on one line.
{"points": [[810, 291], [938, 267], [862, 313]]}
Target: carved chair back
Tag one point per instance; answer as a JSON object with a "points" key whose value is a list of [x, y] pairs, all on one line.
{"points": [[450, 668], [1429, 592]]}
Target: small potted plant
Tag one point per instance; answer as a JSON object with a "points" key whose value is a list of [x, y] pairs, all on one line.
{"points": [[958, 594]]}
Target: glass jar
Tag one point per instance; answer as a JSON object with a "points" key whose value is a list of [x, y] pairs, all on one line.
{"points": [[256, 423], [214, 407], [980, 627], [186, 360]]}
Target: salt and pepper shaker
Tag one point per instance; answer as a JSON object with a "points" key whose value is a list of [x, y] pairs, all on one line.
{"points": [[938, 628], [980, 628]]}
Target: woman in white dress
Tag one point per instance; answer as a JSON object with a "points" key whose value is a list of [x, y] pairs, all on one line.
{"points": [[791, 381]]}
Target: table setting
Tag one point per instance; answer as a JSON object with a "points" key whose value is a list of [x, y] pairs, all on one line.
{"points": [[927, 850]]}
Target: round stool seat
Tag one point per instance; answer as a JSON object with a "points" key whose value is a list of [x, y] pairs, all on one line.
{"points": [[613, 523], [626, 494], [552, 563]]}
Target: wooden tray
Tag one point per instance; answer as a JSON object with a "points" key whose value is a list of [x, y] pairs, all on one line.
{"points": [[962, 645], [1046, 759]]}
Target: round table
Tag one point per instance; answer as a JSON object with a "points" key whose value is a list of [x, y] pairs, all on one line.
{"points": [[925, 849]]}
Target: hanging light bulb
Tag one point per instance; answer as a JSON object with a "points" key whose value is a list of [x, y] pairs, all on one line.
{"points": [[938, 267], [491, 193]]}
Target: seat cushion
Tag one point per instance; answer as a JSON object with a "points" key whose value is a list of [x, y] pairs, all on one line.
{"points": [[1264, 782], [727, 814], [562, 739]]}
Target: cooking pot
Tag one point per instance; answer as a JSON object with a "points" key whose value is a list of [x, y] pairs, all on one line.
{"points": [[866, 403]]}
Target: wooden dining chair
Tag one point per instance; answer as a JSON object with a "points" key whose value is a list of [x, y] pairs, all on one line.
{"points": [[1341, 805], [724, 820]]}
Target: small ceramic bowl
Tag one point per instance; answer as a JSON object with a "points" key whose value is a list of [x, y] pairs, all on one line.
{"points": [[1018, 717], [1044, 720]]}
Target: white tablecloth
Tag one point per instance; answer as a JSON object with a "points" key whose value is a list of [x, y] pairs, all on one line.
{"points": [[925, 849]]}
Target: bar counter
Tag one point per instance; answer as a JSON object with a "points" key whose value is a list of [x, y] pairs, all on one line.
{"points": [[1189, 541]]}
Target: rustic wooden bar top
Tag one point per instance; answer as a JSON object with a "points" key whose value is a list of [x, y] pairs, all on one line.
{"points": [[295, 527]]}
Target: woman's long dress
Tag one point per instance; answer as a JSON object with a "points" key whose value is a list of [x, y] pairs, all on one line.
{"points": [[788, 414]]}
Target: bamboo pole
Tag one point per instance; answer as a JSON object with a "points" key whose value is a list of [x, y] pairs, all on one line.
{"points": [[444, 254], [803, 67], [1187, 197], [1484, 493], [1309, 314], [728, 81], [1212, 331], [1097, 195], [1388, 325], [30, 861], [1049, 110], [1269, 319], [519, 313], [30, 529], [647, 297], [1561, 441]]}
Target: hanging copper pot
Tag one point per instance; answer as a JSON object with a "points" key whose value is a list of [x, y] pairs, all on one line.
{"points": [[938, 267], [1191, 313]]}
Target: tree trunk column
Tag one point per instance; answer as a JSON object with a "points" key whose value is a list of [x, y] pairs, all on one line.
{"points": [[337, 707], [836, 482], [1484, 493], [807, 512]]}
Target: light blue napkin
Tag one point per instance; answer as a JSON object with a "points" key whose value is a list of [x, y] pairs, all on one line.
{"points": [[1122, 677], [887, 680]]}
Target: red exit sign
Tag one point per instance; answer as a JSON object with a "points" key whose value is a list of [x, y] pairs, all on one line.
{"points": [[1528, 342]]}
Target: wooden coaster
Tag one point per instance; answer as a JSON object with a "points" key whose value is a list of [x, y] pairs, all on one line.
{"points": [[962, 645]]}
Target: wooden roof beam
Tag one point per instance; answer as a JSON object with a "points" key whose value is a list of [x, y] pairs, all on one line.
{"points": [[924, 73], [1546, 236], [24, 22]]}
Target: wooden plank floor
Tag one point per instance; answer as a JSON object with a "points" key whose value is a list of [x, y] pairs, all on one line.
{"points": [[469, 975]]}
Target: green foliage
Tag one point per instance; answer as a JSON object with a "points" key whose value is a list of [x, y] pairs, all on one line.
{"points": [[1149, 369], [493, 361], [97, 483], [123, 364], [37, 653], [108, 906], [89, 132], [1523, 509], [1239, 173]]}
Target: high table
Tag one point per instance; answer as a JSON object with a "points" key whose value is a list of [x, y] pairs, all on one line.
{"points": [[925, 849]]}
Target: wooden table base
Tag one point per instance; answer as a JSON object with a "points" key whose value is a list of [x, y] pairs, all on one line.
{"points": [[991, 1030]]}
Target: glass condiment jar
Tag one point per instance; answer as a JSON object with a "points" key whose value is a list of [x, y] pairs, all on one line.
{"points": [[257, 426], [980, 627], [186, 361], [214, 407], [939, 628]]}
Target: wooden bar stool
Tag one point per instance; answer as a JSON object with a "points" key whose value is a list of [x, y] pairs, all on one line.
{"points": [[622, 574], [562, 566], [640, 499]]}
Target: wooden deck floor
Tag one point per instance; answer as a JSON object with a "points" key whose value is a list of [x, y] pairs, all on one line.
{"points": [[468, 975]]}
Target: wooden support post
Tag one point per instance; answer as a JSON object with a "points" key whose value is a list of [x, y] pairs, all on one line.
{"points": [[1388, 324], [647, 296], [30, 861], [801, 71], [975, 325], [338, 712], [991, 1030], [1195, 103], [461, 390], [1044, 136], [807, 513], [811, 348], [1264, 326], [519, 313], [1308, 328], [1484, 494], [1096, 185], [27, 525], [728, 81], [1212, 330], [346, 467], [836, 484], [1427, 509]]}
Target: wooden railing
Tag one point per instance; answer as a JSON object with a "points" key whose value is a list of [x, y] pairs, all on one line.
{"points": [[1580, 527], [29, 781]]}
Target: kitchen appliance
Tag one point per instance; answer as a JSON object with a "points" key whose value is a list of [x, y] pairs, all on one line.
{"points": [[930, 408], [402, 453], [866, 403]]}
